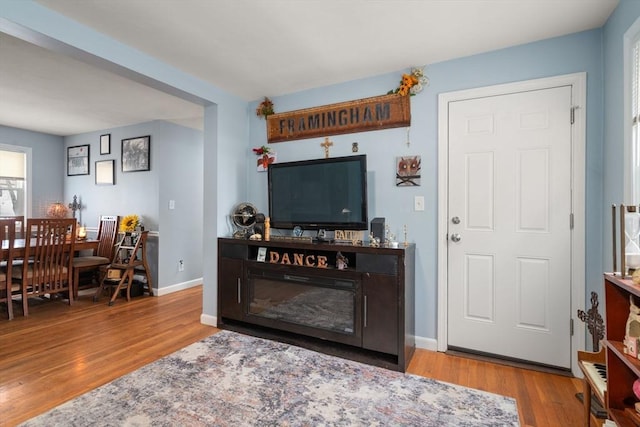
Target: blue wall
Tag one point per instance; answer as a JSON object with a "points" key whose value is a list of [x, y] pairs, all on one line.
{"points": [[614, 119], [48, 165], [176, 173], [564, 55], [231, 129], [225, 118]]}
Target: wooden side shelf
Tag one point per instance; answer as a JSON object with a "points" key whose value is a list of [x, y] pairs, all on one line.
{"points": [[622, 369]]}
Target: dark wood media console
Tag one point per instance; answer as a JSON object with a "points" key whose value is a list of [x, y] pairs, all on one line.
{"points": [[296, 294]]}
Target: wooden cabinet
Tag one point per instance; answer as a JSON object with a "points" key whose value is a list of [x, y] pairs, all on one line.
{"points": [[380, 313], [622, 370], [230, 291], [364, 312]]}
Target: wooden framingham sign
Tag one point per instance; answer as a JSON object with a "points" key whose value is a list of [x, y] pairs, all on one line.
{"points": [[378, 112]]}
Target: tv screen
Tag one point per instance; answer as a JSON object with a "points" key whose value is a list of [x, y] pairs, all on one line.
{"points": [[319, 194]]}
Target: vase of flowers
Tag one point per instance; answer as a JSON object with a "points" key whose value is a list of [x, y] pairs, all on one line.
{"points": [[129, 225]]}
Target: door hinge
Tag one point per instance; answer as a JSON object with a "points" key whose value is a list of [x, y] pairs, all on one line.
{"points": [[571, 327], [571, 221], [573, 114]]}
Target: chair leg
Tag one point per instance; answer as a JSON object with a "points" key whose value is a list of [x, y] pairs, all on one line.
{"points": [[148, 273], [76, 282], [25, 301], [100, 289], [125, 276], [586, 402]]}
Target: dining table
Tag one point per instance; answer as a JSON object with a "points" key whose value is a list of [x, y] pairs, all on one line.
{"points": [[19, 246]]}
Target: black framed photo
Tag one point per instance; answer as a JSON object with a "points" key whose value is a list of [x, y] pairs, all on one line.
{"points": [[136, 154], [78, 160], [105, 172], [105, 144]]}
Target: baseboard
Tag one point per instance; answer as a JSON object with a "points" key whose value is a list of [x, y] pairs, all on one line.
{"points": [[178, 287], [427, 343], [206, 319]]}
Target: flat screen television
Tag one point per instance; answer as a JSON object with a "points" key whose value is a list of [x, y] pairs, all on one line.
{"points": [[321, 194]]}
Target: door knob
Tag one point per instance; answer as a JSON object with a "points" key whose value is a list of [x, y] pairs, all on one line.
{"points": [[455, 220], [456, 237]]}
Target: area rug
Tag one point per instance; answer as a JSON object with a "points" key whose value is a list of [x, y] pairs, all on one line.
{"points": [[230, 379]]}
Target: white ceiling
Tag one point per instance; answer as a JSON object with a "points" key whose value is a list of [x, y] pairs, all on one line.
{"points": [[256, 48]]}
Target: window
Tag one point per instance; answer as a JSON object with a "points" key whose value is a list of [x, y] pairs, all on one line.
{"points": [[13, 183], [634, 153]]}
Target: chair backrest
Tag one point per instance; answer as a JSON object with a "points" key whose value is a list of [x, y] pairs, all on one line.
{"points": [[50, 252], [107, 233], [7, 238], [19, 224]]}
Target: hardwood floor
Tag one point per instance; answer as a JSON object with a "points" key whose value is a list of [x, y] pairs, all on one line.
{"points": [[61, 351]]}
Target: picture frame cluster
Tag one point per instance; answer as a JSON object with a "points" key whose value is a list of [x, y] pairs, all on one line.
{"points": [[135, 157]]}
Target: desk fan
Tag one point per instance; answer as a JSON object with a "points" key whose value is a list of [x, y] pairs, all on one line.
{"points": [[243, 217]]}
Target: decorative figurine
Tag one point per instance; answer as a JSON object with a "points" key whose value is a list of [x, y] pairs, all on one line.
{"points": [[632, 332], [341, 261]]}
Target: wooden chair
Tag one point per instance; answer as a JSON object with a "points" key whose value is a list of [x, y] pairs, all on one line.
{"points": [[129, 257], [19, 224], [50, 253], [102, 256], [8, 235]]}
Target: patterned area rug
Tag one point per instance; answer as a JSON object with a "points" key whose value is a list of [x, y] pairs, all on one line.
{"points": [[231, 379]]}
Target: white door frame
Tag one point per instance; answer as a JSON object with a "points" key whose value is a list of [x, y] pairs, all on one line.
{"points": [[578, 158]]}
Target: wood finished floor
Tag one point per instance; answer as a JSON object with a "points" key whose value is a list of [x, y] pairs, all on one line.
{"points": [[60, 352]]}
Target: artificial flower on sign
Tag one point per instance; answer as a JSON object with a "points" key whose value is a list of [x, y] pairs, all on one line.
{"points": [[411, 84], [266, 157], [265, 108], [129, 223]]}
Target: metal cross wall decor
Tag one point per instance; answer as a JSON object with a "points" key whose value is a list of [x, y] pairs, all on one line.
{"points": [[75, 205], [594, 321], [326, 144]]}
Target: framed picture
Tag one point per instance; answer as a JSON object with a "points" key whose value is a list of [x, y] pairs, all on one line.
{"points": [[78, 160], [105, 144], [408, 171], [136, 154], [105, 172]]}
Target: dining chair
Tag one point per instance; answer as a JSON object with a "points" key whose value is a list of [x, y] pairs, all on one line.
{"points": [[7, 238], [128, 258], [49, 253], [107, 233], [19, 224]]}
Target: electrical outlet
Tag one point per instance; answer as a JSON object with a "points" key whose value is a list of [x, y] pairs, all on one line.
{"points": [[418, 203], [181, 265]]}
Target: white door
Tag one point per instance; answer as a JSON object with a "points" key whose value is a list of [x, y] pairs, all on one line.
{"points": [[509, 247]]}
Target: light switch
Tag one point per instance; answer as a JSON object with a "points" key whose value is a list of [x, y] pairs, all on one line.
{"points": [[418, 203], [172, 204]]}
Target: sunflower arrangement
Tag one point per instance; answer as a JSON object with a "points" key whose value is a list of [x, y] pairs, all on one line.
{"points": [[411, 84], [265, 108], [129, 223]]}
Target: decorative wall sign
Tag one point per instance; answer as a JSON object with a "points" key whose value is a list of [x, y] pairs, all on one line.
{"points": [[301, 259], [408, 171], [378, 112]]}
